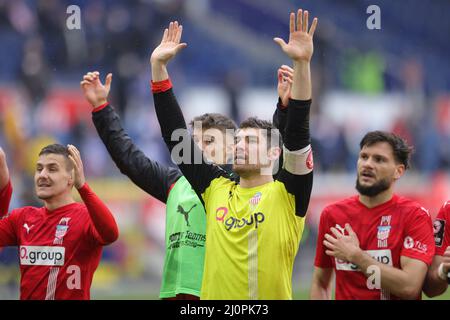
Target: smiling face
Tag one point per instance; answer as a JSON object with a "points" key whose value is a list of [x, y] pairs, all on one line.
{"points": [[377, 169], [53, 176]]}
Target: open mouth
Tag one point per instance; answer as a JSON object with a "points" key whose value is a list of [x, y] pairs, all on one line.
{"points": [[367, 175], [44, 185]]}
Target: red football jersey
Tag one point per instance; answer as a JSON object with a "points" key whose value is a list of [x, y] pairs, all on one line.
{"points": [[399, 227], [441, 231], [59, 250]]}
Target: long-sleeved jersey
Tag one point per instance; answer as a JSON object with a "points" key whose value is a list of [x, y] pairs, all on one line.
{"points": [[252, 234], [59, 250]]}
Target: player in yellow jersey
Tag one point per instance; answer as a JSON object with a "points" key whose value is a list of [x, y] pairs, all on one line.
{"points": [[254, 225]]}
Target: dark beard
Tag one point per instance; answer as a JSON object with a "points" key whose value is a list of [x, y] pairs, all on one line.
{"points": [[374, 189]]}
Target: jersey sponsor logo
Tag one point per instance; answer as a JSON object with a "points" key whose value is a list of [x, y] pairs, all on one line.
{"points": [[62, 228], [383, 232], [415, 245], [42, 256], [235, 223], [439, 231], [28, 228], [185, 213], [341, 230], [255, 200], [382, 256], [221, 213], [408, 243]]}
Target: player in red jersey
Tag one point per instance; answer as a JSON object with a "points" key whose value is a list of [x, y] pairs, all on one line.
{"points": [[60, 244], [379, 244], [437, 279]]}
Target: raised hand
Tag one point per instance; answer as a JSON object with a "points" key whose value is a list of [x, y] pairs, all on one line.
{"points": [[170, 44], [4, 173], [74, 156], [285, 76], [94, 91], [300, 46]]}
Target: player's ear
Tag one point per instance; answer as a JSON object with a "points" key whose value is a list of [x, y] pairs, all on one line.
{"points": [[70, 181], [399, 171]]}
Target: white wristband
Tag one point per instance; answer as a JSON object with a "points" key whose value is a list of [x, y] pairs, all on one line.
{"points": [[441, 273]]}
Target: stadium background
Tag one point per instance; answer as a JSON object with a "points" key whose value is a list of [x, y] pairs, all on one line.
{"points": [[396, 78]]}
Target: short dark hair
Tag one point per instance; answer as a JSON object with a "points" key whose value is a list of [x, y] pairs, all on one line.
{"points": [[214, 121], [402, 151], [254, 122], [57, 149]]}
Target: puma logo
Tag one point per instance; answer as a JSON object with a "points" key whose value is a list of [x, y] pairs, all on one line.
{"points": [[25, 225], [186, 214], [342, 230]]}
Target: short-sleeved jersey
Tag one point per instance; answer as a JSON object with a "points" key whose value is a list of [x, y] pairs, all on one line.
{"points": [[58, 250], [399, 227], [252, 237], [441, 229]]}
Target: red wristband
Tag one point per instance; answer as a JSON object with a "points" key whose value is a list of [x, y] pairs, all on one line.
{"points": [[103, 106], [161, 86]]}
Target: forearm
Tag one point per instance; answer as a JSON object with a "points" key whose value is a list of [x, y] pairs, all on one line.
{"points": [[395, 280], [301, 83], [319, 292], [321, 283], [102, 218], [280, 118], [4, 174], [297, 133], [159, 71], [434, 285], [5, 198]]}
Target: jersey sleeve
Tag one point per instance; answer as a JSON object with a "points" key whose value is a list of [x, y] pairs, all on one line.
{"points": [[103, 228], [186, 154], [322, 260], [279, 121], [297, 171], [151, 176], [441, 229], [418, 242], [5, 199], [8, 228]]}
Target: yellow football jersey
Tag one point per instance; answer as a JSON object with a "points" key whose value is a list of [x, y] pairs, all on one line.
{"points": [[252, 238]]}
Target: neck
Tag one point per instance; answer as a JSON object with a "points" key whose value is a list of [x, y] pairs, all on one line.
{"points": [[58, 202], [254, 181], [383, 197]]}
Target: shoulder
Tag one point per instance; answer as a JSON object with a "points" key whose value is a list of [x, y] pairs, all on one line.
{"points": [[24, 211], [411, 207], [343, 204]]}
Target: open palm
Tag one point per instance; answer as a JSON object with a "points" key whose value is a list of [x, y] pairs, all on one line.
{"points": [[94, 91], [170, 44], [300, 46]]}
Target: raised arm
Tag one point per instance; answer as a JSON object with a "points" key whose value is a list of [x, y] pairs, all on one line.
{"points": [[149, 175], [105, 229], [184, 151], [298, 165], [285, 76]]}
